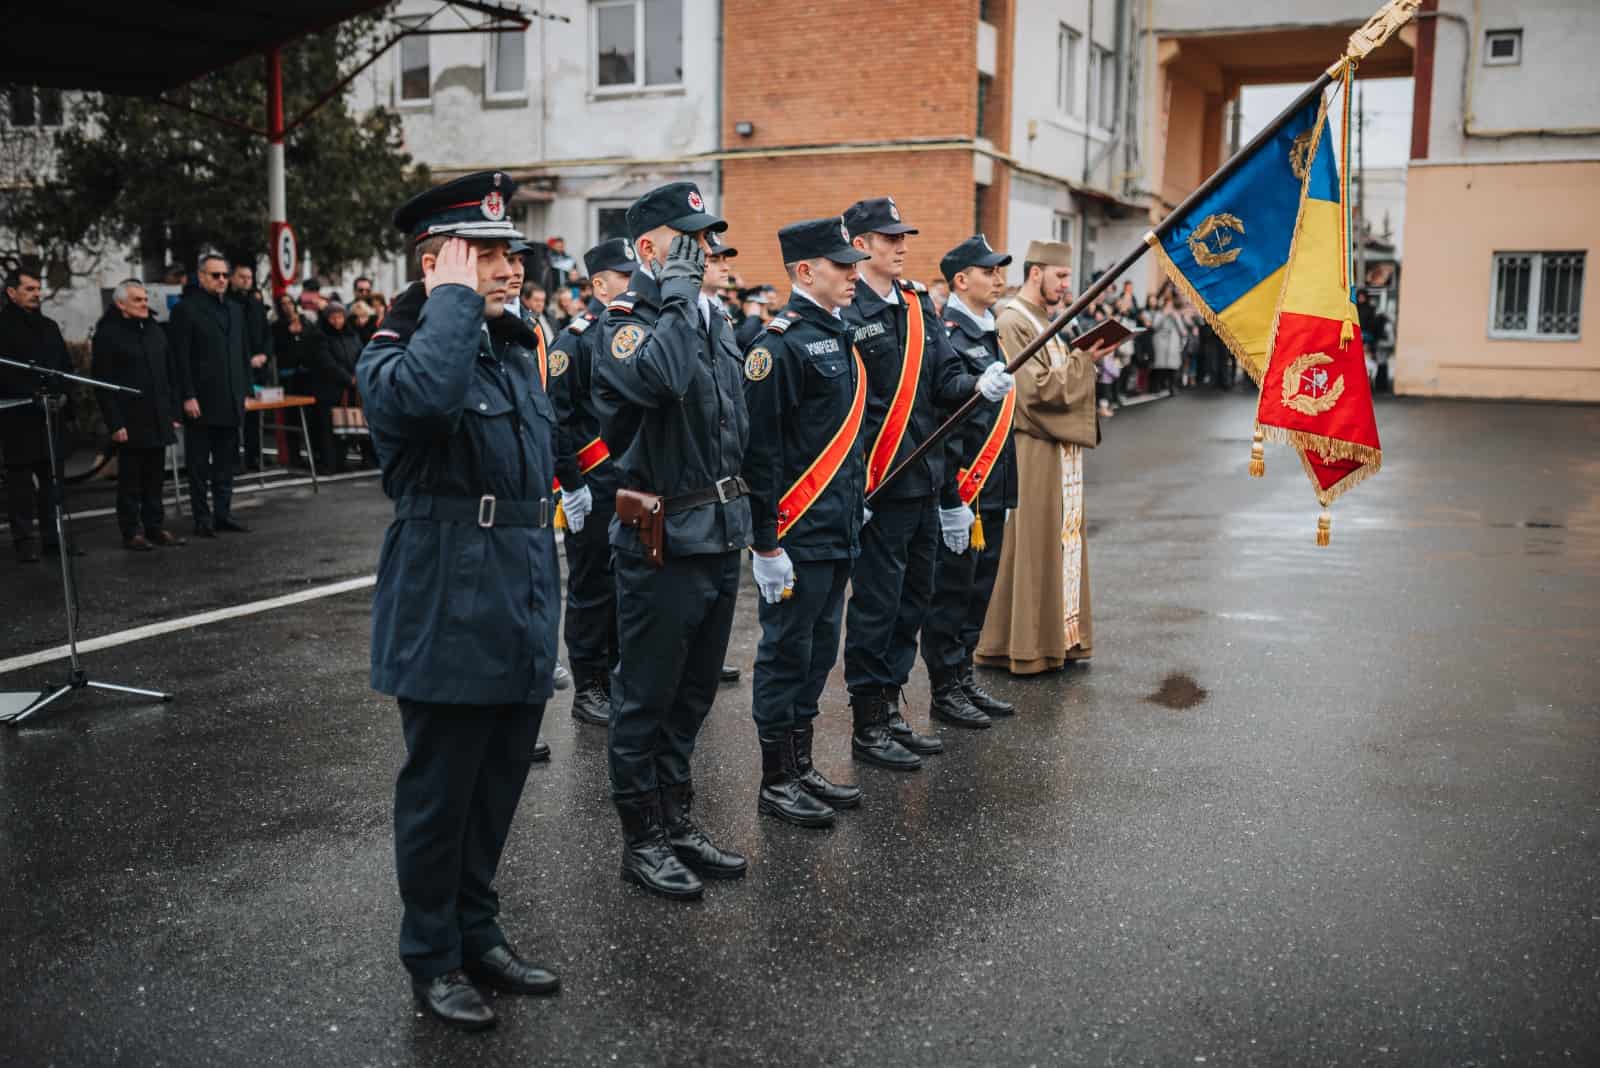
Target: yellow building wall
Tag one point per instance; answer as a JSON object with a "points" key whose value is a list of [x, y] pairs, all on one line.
{"points": [[1457, 217]]}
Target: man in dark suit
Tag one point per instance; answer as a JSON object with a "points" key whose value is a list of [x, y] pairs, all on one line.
{"points": [[209, 344], [28, 335]]}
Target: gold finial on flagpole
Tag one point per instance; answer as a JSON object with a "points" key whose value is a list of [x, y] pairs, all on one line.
{"points": [[1378, 29], [1258, 454]]}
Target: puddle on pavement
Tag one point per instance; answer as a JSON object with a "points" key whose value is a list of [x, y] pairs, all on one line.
{"points": [[1178, 691]]}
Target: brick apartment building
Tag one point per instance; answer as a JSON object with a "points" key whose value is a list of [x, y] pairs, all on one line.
{"points": [[851, 100]]}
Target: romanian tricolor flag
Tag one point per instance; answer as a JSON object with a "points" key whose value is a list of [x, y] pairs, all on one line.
{"points": [[1228, 253], [1315, 394]]}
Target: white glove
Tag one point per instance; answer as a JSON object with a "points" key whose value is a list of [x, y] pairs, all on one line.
{"points": [[774, 574], [866, 515], [956, 524], [577, 504], [995, 382]]}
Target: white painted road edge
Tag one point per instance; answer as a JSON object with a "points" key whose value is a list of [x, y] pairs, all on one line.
{"points": [[218, 615]]}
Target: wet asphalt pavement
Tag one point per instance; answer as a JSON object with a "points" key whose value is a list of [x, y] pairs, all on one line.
{"points": [[1306, 806]]}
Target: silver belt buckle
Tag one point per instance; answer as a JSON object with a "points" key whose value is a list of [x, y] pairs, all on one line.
{"points": [[722, 493], [544, 511], [486, 510]]}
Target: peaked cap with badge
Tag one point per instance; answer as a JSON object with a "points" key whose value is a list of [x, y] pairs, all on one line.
{"points": [[473, 207], [973, 252], [613, 254], [676, 204], [813, 239], [878, 215]]}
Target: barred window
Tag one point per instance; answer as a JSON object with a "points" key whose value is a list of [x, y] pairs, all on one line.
{"points": [[1536, 295]]}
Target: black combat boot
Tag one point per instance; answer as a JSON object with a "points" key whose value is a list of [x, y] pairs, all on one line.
{"points": [[591, 703], [923, 744], [950, 704], [781, 793], [647, 856], [982, 699], [690, 842], [871, 740], [812, 781]]}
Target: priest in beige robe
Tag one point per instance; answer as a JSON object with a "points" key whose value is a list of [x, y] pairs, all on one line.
{"points": [[1038, 616]]}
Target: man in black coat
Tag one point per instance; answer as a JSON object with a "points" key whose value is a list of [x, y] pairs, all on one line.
{"points": [[258, 343], [131, 350], [208, 339], [28, 335]]}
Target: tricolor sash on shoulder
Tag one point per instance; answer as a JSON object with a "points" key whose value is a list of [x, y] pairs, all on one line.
{"points": [[819, 476], [592, 456], [898, 418], [970, 480]]}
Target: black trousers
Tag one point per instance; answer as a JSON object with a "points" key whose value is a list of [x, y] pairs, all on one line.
{"points": [[799, 646], [591, 593], [251, 429], [672, 628], [329, 449], [139, 473], [453, 803], [211, 453], [962, 585], [26, 505], [890, 591]]}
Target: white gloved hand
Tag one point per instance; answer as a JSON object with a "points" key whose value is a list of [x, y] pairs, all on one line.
{"points": [[577, 504], [774, 574], [956, 525], [996, 382], [866, 515]]}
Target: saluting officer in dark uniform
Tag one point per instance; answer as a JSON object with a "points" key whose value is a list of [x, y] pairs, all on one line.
{"points": [[667, 386], [589, 490], [464, 612], [892, 586], [973, 482], [807, 480]]}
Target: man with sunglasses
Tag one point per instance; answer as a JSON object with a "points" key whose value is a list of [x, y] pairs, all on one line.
{"points": [[211, 350]]}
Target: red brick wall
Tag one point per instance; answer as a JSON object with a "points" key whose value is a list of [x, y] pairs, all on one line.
{"points": [[833, 72], [934, 191]]}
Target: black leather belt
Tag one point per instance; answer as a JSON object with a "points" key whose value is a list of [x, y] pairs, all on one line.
{"points": [[486, 511], [720, 492]]}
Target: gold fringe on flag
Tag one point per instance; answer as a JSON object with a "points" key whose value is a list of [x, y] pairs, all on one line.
{"points": [[1258, 454]]}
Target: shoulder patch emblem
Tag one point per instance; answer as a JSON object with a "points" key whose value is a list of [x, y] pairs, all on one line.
{"points": [[558, 363], [626, 340], [758, 364], [778, 325]]}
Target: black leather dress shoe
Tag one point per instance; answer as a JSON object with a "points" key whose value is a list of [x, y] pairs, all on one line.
{"points": [[230, 525], [591, 704], [503, 970], [541, 751], [451, 997], [729, 673]]}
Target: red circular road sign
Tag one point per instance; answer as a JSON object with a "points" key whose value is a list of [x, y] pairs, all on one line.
{"points": [[285, 254]]}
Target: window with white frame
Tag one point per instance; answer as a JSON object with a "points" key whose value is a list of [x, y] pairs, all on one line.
{"points": [[1102, 87], [416, 77], [1536, 295], [1066, 228], [1502, 48], [507, 76], [637, 44], [1068, 41]]}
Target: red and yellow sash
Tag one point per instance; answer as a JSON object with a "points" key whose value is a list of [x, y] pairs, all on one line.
{"points": [[819, 476], [898, 418], [592, 456], [970, 480], [544, 362]]}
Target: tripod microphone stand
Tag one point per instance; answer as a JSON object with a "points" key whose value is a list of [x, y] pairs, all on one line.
{"points": [[77, 677]]}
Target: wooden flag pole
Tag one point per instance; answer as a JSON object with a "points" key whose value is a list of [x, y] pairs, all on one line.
{"points": [[1377, 30]]}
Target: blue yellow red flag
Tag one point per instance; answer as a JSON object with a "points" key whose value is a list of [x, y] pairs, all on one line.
{"points": [[1315, 394], [1228, 253]]}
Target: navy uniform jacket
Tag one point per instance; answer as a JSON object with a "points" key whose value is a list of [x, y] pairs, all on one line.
{"points": [[977, 349], [571, 378], [800, 380], [879, 332], [461, 614], [671, 407]]}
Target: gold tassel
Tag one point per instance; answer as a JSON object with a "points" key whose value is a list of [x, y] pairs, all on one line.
{"points": [[1324, 522], [977, 533], [561, 516], [1258, 455], [1347, 334]]}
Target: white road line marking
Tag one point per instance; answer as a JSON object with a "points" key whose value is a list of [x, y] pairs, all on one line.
{"points": [[152, 630]]}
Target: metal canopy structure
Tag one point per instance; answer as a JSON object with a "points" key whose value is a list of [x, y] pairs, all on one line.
{"points": [[154, 46]]}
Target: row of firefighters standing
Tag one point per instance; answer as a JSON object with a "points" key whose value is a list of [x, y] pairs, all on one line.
{"points": [[674, 452]]}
